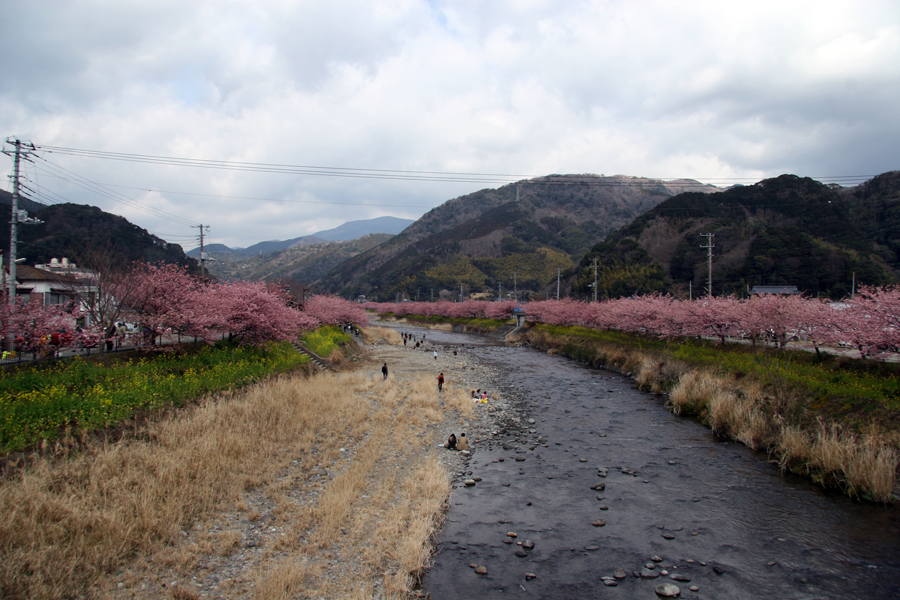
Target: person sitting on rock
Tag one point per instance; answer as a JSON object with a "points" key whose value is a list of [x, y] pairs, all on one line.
{"points": [[462, 443], [451, 442]]}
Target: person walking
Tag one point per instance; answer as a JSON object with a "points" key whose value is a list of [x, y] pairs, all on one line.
{"points": [[435, 355], [384, 371], [441, 382]]}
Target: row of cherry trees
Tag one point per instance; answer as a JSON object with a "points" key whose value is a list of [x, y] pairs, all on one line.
{"points": [[167, 300], [869, 323]]}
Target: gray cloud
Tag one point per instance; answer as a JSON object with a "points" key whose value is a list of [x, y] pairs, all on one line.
{"points": [[693, 89]]}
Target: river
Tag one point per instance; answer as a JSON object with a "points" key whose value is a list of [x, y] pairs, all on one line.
{"points": [[714, 514]]}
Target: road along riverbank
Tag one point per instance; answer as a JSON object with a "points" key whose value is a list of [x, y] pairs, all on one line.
{"points": [[610, 495]]}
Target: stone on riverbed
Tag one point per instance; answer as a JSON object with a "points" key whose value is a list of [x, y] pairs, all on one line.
{"points": [[667, 590]]}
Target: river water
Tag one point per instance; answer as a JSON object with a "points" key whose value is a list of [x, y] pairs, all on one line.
{"points": [[713, 511]]}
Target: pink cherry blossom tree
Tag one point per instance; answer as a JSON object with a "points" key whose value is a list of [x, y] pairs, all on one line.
{"points": [[333, 310], [36, 326], [255, 312]]}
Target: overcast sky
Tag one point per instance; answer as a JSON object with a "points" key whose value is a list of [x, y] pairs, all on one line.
{"points": [[716, 91]]}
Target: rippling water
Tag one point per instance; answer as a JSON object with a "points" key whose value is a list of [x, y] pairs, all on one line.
{"points": [[760, 535]]}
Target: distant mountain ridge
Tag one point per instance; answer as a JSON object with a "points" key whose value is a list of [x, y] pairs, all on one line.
{"points": [[84, 233], [520, 234], [348, 231], [782, 231], [24, 203], [305, 263]]}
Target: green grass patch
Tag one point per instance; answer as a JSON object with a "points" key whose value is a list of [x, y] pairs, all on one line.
{"points": [[325, 340], [44, 401]]}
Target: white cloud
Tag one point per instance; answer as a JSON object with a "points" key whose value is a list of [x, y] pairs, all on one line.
{"points": [[691, 89]]}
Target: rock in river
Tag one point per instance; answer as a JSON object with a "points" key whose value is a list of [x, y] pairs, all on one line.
{"points": [[667, 590]]}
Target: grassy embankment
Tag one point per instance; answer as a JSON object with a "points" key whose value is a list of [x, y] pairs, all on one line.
{"points": [[68, 525], [330, 342], [832, 418], [57, 404]]}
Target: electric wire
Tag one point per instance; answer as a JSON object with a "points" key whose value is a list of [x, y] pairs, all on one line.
{"points": [[109, 194], [407, 175]]}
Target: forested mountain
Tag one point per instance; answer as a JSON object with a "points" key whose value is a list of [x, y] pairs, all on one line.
{"points": [[787, 230], [80, 233], [351, 230], [305, 263], [489, 237]]}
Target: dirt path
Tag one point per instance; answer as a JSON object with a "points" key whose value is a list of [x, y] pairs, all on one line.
{"points": [[353, 514]]}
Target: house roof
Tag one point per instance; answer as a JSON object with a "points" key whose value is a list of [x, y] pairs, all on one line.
{"points": [[26, 273], [774, 289]]}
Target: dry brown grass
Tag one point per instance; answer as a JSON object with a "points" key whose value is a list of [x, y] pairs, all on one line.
{"points": [[371, 335], [693, 391], [459, 400], [863, 463], [737, 412], [64, 523], [860, 464]]}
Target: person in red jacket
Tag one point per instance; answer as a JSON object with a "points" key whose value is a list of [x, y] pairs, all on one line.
{"points": [[441, 382]]}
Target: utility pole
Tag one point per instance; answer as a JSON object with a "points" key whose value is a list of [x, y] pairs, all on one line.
{"points": [[515, 288], [558, 272], [499, 291], [14, 220], [853, 289], [460, 292], [203, 229], [595, 279], [709, 247]]}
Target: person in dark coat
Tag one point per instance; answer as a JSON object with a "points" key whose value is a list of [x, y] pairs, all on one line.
{"points": [[110, 335], [451, 442], [384, 371]]}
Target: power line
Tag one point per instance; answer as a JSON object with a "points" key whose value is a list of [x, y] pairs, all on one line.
{"points": [[258, 198], [450, 176], [406, 175], [113, 195]]}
